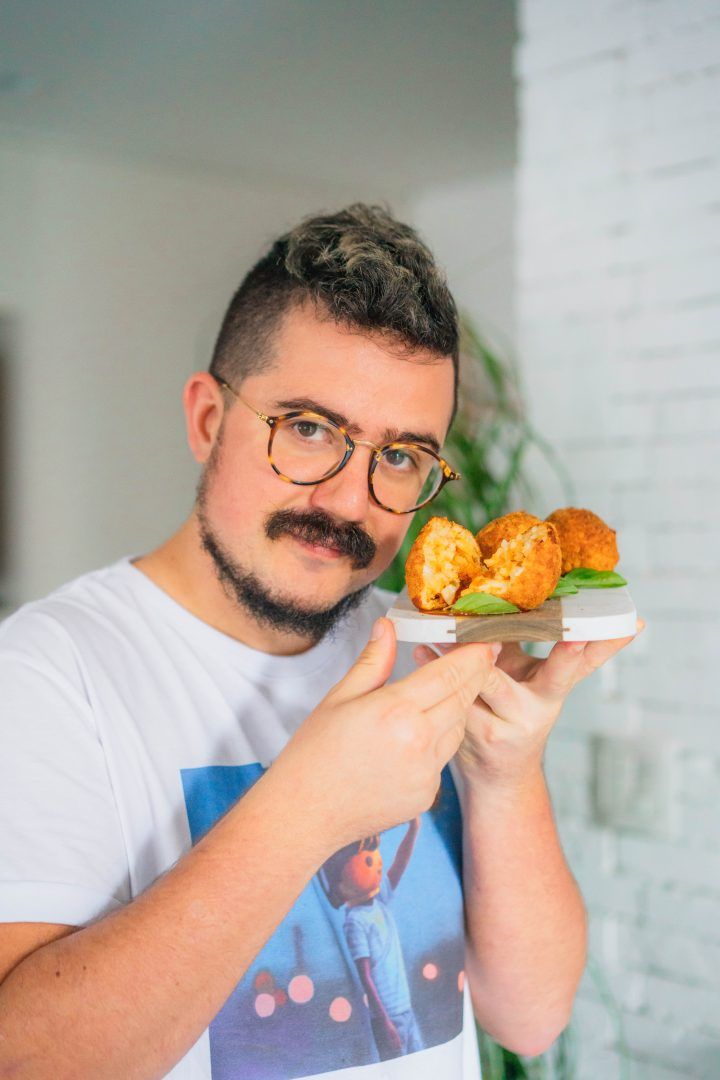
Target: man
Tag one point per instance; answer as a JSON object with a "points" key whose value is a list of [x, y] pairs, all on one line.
{"points": [[188, 736]]}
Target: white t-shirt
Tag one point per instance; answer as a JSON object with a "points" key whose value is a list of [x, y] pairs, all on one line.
{"points": [[127, 727]]}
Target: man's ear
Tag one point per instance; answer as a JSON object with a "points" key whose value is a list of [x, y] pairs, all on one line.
{"points": [[204, 410]]}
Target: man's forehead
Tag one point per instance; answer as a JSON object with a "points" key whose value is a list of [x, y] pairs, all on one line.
{"points": [[306, 330], [362, 376]]}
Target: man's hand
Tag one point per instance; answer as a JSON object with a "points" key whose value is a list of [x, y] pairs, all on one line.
{"points": [[520, 700], [370, 756], [526, 925]]}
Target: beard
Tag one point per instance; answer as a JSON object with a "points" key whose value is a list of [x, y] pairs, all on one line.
{"points": [[268, 607]]}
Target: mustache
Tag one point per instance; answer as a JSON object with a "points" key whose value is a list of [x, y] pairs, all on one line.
{"points": [[316, 527]]}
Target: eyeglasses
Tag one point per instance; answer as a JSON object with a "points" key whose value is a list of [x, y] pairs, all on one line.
{"points": [[308, 448]]}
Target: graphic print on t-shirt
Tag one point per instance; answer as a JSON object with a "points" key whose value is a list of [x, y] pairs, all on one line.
{"points": [[367, 964]]}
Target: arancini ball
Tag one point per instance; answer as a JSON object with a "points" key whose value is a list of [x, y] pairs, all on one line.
{"points": [[506, 527], [444, 558], [524, 569], [585, 540]]}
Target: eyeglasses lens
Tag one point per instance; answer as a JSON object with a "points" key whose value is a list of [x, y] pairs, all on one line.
{"points": [[308, 449], [406, 476]]}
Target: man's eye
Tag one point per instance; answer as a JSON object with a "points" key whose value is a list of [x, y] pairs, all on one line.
{"points": [[400, 459], [311, 430]]}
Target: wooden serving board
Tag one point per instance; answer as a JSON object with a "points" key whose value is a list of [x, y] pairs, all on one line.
{"points": [[588, 615]]}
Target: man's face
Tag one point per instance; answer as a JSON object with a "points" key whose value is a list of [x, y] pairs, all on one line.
{"points": [[309, 553]]}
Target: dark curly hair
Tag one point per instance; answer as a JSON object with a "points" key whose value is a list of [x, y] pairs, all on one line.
{"points": [[361, 268]]}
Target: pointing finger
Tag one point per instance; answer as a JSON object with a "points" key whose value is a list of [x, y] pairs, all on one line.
{"points": [[463, 671]]}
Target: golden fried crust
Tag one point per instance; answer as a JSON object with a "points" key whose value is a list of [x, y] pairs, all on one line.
{"points": [[585, 539], [503, 528], [524, 569], [443, 559]]}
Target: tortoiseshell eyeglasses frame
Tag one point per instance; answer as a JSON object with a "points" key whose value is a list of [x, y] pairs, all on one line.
{"points": [[448, 473]]}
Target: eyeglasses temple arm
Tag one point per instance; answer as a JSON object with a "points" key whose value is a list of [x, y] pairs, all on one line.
{"points": [[261, 415]]}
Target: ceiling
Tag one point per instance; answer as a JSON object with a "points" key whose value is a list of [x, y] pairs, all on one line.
{"points": [[404, 93]]}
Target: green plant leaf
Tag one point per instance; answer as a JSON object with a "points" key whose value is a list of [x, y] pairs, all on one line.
{"points": [[563, 588], [585, 578], [481, 603]]}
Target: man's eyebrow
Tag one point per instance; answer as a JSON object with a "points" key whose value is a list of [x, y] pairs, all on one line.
{"points": [[389, 435]]}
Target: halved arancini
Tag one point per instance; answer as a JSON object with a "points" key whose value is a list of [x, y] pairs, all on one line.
{"points": [[502, 528], [444, 558], [524, 569]]}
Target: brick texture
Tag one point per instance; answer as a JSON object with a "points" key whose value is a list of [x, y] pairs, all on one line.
{"points": [[618, 316]]}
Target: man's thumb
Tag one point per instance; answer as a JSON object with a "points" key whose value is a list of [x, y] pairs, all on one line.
{"points": [[373, 666]]}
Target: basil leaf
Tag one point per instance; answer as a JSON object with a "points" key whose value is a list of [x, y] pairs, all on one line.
{"points": [[585, 578], [563, 588], [481, 603]]}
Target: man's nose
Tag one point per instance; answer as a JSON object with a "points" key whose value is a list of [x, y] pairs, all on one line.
{"points": [[346, 494]]}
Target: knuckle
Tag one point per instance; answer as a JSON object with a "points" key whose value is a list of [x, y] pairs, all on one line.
{"points": [[422, 742], [410, 736], [404, 733], [493, 682], [452, 678], [493, 733], [560, 686], [466, 696]]}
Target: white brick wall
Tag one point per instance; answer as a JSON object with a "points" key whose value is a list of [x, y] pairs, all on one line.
{"points": [[618, 311]]}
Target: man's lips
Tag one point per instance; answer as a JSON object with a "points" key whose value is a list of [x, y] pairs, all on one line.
{"points": [[319, 549]]}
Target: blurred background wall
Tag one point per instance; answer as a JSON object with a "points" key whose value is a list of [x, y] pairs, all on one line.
{"points": [[148, 153], [618, 305]]}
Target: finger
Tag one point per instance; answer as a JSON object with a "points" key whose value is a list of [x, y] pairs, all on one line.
{"points": [[449, 742], [431, 652], [571, 661], [494, 692], [499, 696], [515, 661], [423, 654], [598, 653], [447, 715], [372, 667], [462, 671], [556, 676]]}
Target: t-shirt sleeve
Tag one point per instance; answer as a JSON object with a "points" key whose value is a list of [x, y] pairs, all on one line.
{"points": [[357, 939], [62, 853]]}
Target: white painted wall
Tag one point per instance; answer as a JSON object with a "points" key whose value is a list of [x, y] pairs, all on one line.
{"points": [[618, 303], [469, 227], [113, 279]]}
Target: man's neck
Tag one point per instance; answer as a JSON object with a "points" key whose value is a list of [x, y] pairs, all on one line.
{"points": [[183, 570]]}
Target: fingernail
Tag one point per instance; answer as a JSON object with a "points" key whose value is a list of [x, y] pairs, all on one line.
{"points": [[496, 649], [577, 646], [378, 630]]}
